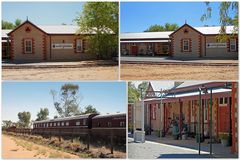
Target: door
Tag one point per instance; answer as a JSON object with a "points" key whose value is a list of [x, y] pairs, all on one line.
{"points": [[134, 49], [224, 120]]}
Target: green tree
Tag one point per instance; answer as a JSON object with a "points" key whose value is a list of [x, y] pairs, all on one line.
{"points": [[142, 87], [100, 18], [17, 22], [42, 114], [7, 25], [133, 93], [24, 119], [90, 109], [67, 104], [6, 124], [160, 28], [226, 18]]}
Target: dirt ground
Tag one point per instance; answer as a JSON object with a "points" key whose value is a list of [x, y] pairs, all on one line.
{"points": [[96, 73], [85, 70], [177, 72], [12, 149]]}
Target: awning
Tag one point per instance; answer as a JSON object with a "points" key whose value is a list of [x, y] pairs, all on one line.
{"points": [[145, 41], [191, 96]]}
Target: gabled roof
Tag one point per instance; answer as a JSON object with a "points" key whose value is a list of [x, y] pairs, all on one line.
{"points": [[185, 26], [61, 29], [211, 30], [27, 21]]}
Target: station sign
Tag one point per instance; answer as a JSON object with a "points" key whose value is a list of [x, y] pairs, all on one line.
{"points": [[216, 45], [62, 46]]}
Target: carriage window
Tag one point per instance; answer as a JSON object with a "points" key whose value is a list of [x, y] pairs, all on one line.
{"points": [[50, 124], [47, 124], [54, 124], [122, 124], [99, 124], [62, 123], [43, 124], [109, 124], [67, 123], [84, 122], [77, 123], [58, 123]]}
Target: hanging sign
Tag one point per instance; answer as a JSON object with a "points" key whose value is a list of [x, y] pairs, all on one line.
{"points": [[62, 46], [216, 45]]}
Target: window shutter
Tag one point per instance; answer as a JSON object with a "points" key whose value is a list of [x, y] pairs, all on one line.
{"points": [[181, 45], [33, 46], [75, 45], [228, 45], [23, 46], [190, 45], [236, 44], [84, 45]]}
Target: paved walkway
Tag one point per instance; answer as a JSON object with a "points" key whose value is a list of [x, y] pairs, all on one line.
{"points": [[152, 150], [168, 60], [167, 147], [218, 150]]}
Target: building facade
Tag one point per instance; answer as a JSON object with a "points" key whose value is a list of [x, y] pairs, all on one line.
{"points": [[29, 42], [181, 104], [185, 42]]}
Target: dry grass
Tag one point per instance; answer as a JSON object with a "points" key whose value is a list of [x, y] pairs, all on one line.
{"points": [[74, 147]]}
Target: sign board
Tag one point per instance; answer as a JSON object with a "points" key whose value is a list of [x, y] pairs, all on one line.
{"points": [[216, 45], [62, 46]]}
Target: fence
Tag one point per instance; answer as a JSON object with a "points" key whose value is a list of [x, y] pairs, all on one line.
{"points": [[106, 133]]}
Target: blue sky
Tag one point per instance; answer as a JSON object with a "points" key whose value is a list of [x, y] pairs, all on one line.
{"points": [[106, 97], [138, 16], [42, 13]]}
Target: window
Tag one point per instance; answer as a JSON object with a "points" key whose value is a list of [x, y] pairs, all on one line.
{"points": [[109, 124], [79, 45], [154, 112], [122, 124], [28, 45], [54, 124], [233, 45], [47, 124], [58, 123], [77, 123], [99, 124], [50, 124], [223, 101], [43, 124], [84, 122], [62, 123], [185, 45], [67, 123]]}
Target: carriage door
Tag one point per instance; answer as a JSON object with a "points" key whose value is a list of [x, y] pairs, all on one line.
{"points": [[134, 49]]}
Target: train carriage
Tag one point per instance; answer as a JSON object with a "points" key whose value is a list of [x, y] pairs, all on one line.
{"points": [[117, 120]]}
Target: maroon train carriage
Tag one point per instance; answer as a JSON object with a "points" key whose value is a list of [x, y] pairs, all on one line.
{"points": [[64, 124], [117, 120]]}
